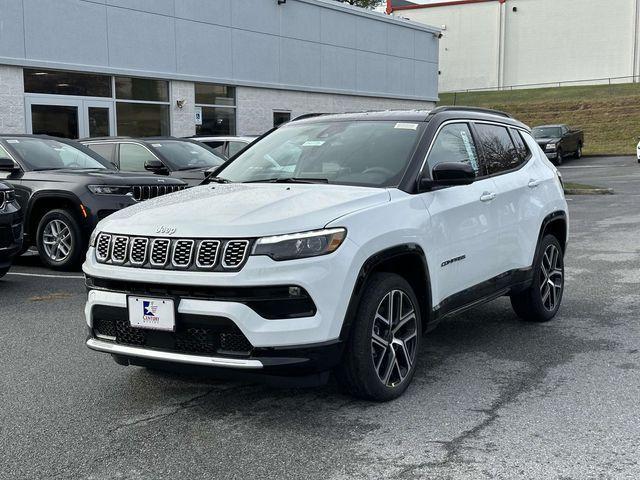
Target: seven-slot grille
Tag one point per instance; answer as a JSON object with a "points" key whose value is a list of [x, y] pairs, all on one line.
{"points": [[7, 196], [145, 192], [234, 253], [166, 253]]}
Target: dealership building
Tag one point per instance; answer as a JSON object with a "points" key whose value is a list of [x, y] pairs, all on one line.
{"points": [[86, 68], [492, 44]]}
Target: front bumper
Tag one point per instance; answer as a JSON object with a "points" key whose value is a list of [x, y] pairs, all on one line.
{"points": [[551, 155], [11, 234], [290, 344]]}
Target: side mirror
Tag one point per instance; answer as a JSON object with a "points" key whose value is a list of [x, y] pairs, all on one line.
{"points": [[448, 174], [155, 166], [7, 165]]}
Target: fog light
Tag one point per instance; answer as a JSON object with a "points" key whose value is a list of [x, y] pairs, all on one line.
{"points": [[294, 291]]}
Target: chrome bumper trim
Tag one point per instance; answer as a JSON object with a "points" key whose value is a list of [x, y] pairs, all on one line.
{"points": [[114, 348]]}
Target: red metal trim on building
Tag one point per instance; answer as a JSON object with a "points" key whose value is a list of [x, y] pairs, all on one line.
{"points": [[391, 8]]}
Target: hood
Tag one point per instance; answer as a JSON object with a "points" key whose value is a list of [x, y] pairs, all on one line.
{"points": [[106, 177], [243, 210], [544, 141], [192, 177]]}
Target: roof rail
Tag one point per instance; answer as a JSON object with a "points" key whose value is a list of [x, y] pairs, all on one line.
{"points": [[112, 137], [308, 115], [450, 108]]}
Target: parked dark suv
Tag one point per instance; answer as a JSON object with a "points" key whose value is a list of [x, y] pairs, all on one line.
{"points": [[64, 189], [10, 225], [181, 158]]}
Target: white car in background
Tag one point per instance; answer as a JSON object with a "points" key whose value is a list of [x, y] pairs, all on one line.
{"points": [[227, 145], [638, 151]]}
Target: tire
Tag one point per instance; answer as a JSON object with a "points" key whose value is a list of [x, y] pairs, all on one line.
{"points": [[62, 228], [541, 301], [559, 157], [3, 271], [578, 153], [381, 369]]}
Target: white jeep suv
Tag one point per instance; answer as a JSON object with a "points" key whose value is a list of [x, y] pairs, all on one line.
{"points": [[332, 244]]}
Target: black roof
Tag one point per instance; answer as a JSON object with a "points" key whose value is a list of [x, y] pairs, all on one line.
{"points": [[451, 112]]}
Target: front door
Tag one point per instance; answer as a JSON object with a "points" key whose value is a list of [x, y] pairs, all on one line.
{"points": [[463, 231], [69, 118]]}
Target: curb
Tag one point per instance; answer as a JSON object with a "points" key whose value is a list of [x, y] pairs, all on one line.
{"points": [[588, 191]]}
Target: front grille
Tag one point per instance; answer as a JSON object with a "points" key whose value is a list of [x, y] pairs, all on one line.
{"points": [[145, 192], [234, 253], [3, 199], [119, 249], [103, 247], [207, 253], [182, 253], [195, 334], [160, 252], [138, 255], [166, 253]]}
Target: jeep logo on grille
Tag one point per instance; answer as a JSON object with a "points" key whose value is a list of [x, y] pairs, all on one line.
{"points": [[166, 230]]}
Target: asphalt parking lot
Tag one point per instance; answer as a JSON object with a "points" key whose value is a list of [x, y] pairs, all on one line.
{"points": [[493, 397]]}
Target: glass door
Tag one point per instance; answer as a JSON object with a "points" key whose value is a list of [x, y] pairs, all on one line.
{"points": [[69, 118]]}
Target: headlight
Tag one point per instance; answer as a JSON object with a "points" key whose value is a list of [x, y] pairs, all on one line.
{"points": [[93, 237], [109, 190], [300, 245], [551, 146]]}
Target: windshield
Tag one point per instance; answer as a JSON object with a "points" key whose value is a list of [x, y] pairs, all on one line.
{"points": [[49, 154], [367, 153], [187, 155], [547, 132]]}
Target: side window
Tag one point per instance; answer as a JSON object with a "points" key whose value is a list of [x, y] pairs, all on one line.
{"points": [[133, 157], [455, 144], [217, 145], [499, 152], [105, 150], [521, 147], [4, 153], [235, 147]]}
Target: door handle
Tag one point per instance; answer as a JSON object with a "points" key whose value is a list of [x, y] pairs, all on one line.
{"points": [[533, 183], [487, 196]]}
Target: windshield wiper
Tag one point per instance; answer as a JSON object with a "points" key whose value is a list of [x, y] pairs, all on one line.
{"points": [[290, 180], [217, 180]]}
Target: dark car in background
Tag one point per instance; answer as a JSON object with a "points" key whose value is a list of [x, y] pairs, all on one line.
{"points": [[10, 223], [64, 189], [559, 141], [226, 145], [180, 158]]}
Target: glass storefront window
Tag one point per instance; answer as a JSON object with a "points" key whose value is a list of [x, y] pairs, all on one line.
{"points": [[142, 120], [145, 89], [211, 94], [55, 120], [66, 83], [217, 121]]}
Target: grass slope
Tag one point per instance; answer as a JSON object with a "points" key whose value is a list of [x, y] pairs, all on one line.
{"points": [[608, 114]]}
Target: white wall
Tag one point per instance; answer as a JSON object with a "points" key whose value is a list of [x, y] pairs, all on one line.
{"points": [[256, 106], [543, 41]]}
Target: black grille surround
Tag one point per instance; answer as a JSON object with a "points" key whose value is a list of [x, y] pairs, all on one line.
{"points": [[217, 255]]}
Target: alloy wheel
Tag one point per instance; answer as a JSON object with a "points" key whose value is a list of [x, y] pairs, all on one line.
{"points": [[551, 278], [57, 241], [394, 338]]}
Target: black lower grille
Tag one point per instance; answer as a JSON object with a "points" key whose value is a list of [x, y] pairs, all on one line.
{"points": [[195, 334]]}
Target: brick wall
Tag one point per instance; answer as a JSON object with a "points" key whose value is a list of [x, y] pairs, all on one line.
{"points": [[11, 100], [183, 119]]}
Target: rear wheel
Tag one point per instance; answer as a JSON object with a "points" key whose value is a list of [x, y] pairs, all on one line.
{"points": [[579, 151], [383, 347], [541, 301], [59, 239]]}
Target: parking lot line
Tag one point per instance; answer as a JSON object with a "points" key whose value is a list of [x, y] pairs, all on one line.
{"points": [[43, 275]]}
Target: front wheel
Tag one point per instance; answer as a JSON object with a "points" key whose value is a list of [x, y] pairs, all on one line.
{"points": [[382, 350], [559, 157], [579, 151], [59, 240], [541, 301], [3, 271]]}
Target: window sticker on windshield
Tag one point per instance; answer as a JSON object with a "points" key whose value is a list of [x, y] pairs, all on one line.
{"points": [[406, 126], [156, 145], [470, 150], [13, 141], [313, 143]]}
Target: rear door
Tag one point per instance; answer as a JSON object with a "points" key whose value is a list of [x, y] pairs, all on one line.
{"points": [[516, 177], [463, 237]]}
